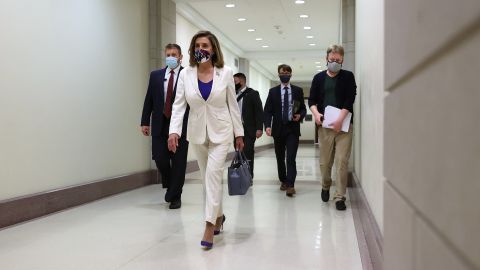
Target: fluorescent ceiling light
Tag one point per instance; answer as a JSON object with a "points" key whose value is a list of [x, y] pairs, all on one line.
{"points": [[307, 27], [303, 16], [309, 36], [298, 2], [259, 39], [251, 30], [241, 19], [230, 5], [312, 44], [265, 46]]}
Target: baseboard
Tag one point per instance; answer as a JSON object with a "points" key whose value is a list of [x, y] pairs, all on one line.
{"points": [[370, 239], [21, 209]]}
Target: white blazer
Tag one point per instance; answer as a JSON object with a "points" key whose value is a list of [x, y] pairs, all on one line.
{"points": [[218, 116]]}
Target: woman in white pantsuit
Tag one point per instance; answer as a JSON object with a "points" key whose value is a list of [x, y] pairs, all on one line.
{"points": [[207, 86]]}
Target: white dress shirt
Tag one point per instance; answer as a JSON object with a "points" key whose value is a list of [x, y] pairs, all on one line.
{"points": [[240, 102]]}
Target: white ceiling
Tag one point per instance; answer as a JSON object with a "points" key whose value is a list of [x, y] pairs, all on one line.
{"points": [[278, 23]]}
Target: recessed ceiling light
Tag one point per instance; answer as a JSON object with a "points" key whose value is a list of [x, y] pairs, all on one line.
{"points": [[317, 62], [319, 66], [265, 46], [298, 2], [303, 16], [309, 36], [241, 19], [251, 30], [307, 27], [319, 70], [230, 5], [259, 39], [312, 44]]}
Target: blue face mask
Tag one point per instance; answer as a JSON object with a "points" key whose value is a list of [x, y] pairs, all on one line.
{"points": [[172, 62]]}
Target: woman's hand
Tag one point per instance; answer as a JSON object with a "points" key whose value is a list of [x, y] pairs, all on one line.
{"points": [[173, 142], [239, 143]]}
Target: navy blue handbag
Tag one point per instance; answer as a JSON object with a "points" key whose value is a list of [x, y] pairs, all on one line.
{"points": [[239, 177]]}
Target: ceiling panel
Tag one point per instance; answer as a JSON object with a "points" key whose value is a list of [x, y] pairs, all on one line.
{"points": [[279, 24]]}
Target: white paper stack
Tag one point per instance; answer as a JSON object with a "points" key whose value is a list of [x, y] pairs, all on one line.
{"points": [[331, 114]]}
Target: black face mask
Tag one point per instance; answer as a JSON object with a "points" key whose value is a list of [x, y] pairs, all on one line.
{"points": [[284, 78], [238, 87]]}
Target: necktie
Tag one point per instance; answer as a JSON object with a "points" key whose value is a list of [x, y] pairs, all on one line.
{"points": [[168, 100], [285, 105]]}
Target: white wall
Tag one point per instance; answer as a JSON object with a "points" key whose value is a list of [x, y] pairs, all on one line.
{"points": [[185, 31], [432, 135], [259, 82], [72, 81], [370, 99]]}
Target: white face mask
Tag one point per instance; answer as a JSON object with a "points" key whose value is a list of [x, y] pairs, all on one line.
{"points": [[334, 67]]}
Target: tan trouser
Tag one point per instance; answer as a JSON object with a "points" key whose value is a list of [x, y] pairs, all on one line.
{"points": [[211, 160], [335, 147]]}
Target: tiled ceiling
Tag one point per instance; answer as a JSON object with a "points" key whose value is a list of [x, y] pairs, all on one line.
{"points": [[279, 25]]}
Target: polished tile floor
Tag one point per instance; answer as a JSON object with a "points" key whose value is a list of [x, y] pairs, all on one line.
{"points": [[136, 230]]}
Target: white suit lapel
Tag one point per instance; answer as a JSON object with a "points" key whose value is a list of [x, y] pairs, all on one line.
{"points": [[194, 81], [217, 76]]}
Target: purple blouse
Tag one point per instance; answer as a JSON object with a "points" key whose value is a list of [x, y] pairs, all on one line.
{"points": [[205, 88]]}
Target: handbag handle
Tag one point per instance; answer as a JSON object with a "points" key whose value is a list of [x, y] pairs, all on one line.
{"points": [[243, 156], [236, 158]]}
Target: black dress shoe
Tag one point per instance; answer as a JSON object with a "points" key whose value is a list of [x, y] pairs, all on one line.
{"points": [[340, 205], [325, 195], [175, 204]]}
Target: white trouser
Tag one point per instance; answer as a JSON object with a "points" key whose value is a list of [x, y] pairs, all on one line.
{"points": [[211, 160]]}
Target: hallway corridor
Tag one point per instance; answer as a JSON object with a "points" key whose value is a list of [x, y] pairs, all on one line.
{"points": [[136, 230]]}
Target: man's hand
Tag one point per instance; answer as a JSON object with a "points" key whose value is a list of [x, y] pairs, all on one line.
{"points": [[318, 119], [259, 134], [268, 131], [296, 117], [173, 142], [145, 130], [239, 143], [337, 125]]}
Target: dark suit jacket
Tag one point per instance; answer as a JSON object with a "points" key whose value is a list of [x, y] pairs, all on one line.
{"points": [[154, 104], [252, 112], [345, 91], [273, 110]]}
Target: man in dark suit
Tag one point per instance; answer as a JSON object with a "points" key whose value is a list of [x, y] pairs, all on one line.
{"points": [[251, 110], [158, 105], [284, 110]]}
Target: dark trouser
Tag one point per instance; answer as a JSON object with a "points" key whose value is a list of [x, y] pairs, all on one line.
{"points": [[172, 166], [249, 150], [288, 141]]}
